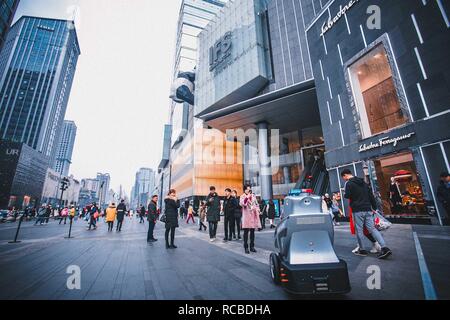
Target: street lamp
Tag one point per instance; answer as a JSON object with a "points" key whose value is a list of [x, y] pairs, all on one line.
{"points": [[64, 186]]}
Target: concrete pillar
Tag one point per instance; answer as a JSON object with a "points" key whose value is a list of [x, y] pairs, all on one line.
{"points": [[265, 169]]}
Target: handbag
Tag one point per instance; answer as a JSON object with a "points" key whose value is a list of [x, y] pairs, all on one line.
{"points": [[163, 218], [96, 215], [381, 223]]}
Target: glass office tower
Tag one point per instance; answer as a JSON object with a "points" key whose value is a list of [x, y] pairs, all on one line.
{"points": [[37, 67], [65, 148], [7, 10]]}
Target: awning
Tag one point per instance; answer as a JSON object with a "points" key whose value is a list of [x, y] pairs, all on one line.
{"points": [[287, 109]]}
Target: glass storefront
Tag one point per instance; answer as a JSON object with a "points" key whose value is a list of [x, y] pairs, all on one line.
{"points": [[398, 188], [375, 94]]}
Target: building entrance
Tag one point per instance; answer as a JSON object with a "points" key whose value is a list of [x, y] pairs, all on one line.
{"points": [[397, 186]]}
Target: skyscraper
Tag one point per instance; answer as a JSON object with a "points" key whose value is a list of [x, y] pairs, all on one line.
{"points": [[65, 148], [143, 186], [37, 67], [7, 10], [103, 187]]}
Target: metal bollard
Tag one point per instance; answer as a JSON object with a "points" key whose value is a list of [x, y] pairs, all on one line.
{"points": [[17, 231], [70, 228]]}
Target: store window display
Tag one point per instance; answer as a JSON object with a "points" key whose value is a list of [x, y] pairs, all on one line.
{"points": [[399, 185]]}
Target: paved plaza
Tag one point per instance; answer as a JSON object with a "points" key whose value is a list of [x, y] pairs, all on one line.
{"points": [[123, 266]]}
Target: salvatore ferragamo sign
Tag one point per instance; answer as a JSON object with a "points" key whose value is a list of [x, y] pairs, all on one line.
{"points": [[384, 142], [331, 22]]}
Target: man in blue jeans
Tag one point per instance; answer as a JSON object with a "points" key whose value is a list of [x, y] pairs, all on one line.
{"points": [[363, 205]]}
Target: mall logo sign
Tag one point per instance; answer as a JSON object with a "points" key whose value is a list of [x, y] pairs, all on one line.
{"points": [[220, 52], [12, 152], [384, 142]]}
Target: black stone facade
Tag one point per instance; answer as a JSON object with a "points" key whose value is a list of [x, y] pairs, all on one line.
{"points": [[22, 173], [429, 116]]}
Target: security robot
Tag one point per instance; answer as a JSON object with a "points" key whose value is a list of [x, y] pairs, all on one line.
{"points": [[305, 261]]}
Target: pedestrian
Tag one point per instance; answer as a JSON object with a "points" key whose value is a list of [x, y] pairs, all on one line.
{"points": [[142, 214], [229, 206], [237, 217], [443, 195], [171, 212], [121, 211], [190, 215], [270, 210], [41, 215], [182, 212], [152, 217], [64, 214], [93, 215], [111, 214], [262, 214], [363, 205], [335, 210], [213, 212], [202, 215], [72, 212], [250, 218]]}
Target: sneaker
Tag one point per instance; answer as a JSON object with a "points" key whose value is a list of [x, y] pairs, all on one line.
{"points": [[376, 248], [253, 250], [385, 252], [247, 251], [361, 253], [356, 249], [211, 240]]}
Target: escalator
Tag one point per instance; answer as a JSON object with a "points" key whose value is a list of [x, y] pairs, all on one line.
{"points": [[315, 177]]}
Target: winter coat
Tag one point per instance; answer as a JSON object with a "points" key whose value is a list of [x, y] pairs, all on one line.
{"points": [[142, 212], [171, 212], [111, 214], [360, 196], [271, 211], [121, 211], [229, 206], [238, 210], [64, 212], [202, 213], [213, 204], [250, 212], [152, 211]]}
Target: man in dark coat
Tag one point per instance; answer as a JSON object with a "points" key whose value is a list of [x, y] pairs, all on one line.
{"points": [[171, 213], [152, 217], [237, 217], [443, 195], [213, 212], [141, 214], [363, 205], [229, 206], [121, 211]]}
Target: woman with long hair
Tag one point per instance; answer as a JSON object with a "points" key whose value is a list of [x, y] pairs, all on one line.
{"points": [[171, 213]]}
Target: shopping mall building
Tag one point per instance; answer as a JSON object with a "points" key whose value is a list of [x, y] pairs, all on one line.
{"points": [[307, 88]]}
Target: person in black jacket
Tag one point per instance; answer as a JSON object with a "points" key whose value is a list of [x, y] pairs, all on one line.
{"points": [[142, 214], [229, 206], [363, 205], [213, 212], [171, 212], [443, 195], [151, 218], [271, 213], [237, 217], [121, 211]]}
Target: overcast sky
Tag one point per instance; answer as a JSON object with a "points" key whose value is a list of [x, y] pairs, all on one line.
{"points": [[119, 98]]}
